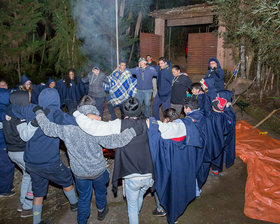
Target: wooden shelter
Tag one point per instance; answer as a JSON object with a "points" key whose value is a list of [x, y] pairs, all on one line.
{"points": [[201, 46]]}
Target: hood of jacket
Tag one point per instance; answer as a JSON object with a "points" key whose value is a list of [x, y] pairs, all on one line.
{"points": [[4, 96], [49, 97], [24, 79], [49, 82], [226, 94], [20, 98], [216, 60]]}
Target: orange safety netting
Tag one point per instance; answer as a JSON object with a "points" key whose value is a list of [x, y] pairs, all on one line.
{"points": [[262, 155]]}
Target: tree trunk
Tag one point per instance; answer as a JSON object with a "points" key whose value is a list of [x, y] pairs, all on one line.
{"points": [[272, 81], [242, 59], [43, 52], [18, 68], [130, 14], [259, 68], [268, 71], [136, 33], [73, 48], [122, 7]]}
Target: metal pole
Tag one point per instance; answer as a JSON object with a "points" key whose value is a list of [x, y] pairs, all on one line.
{"points": [[117, 33]]}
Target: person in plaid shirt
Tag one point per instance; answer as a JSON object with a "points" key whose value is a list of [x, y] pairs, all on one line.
{"points": [[121, 87]]}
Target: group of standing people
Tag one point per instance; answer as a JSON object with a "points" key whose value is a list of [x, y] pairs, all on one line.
{"points": [[33, 123]]}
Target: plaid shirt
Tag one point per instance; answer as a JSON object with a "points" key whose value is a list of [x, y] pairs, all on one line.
{"points": [[121, 87]]}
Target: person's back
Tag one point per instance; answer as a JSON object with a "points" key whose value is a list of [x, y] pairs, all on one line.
{"points": [[86, 157], [133, 162]]}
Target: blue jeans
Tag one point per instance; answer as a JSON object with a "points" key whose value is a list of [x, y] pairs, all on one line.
{"points": [[159, 102], [99, 103], [6, 172], [145, 96], [135, 188], [84, 188], [111, 110], [26, 193]]}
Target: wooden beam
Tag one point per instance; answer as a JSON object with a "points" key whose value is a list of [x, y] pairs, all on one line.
{"points": [[160, 30], [190, 21]]}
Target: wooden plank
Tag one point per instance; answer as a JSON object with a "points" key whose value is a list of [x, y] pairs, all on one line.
{"points": [[190, 21], [202, 46], [150, 44]]}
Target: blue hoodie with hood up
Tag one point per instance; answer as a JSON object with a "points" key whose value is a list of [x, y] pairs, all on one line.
{"points": [[218, 74], [4, 101], [40, 149]]}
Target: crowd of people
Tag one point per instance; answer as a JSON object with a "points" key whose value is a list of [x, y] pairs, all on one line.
{"points": [[172, 157]]}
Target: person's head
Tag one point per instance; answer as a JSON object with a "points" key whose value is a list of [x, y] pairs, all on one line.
{"points": [[213, 64], [86, 100], [86, 106], [142, 63], [170, 115], [132, 107], [190, 104], [95, 70], [203, 84], [20, 98], [52, 84], [176, 70], [72, 73], [196, 88], [149, 58], [122, 66], [162, 62], [218, 104], [3, 84]]}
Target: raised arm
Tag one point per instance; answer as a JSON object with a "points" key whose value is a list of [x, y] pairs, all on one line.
{"points": [[49, 128], [117, 141], [95, 127]]}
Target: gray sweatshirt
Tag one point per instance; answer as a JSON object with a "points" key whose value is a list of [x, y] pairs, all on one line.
{"points": [[96, 88], [84, 150]]}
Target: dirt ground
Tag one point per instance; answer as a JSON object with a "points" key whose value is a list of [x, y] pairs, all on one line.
{"points": [[221, 202]]}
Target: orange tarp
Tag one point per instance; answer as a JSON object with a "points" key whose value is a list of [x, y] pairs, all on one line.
{"points": [[262, 155]]}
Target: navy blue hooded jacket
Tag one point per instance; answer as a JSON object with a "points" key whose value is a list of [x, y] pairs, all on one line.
{"points": [[164, 82], [4, 101], [218, 74], [230, 138], [210, 95], [40, 149], [35, 91], [176, 164], [72, 93]]}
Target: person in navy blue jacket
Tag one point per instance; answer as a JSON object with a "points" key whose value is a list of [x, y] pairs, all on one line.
{"points": [[33, 90], [177, 150], [144, 74], [164, 85], [215, 71], [6, 166], [42, 156], [71, 89]]}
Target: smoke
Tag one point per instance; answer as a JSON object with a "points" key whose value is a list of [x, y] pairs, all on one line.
{"points": [[95, 27]]}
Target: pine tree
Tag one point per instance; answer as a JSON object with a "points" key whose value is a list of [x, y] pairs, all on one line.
{"points": [[18, 21]]}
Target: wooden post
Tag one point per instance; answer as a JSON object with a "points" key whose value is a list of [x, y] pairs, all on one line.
{"points": [[159, 30]]}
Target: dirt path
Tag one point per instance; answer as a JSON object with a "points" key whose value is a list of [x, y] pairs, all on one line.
{"points": [[221, 202]]}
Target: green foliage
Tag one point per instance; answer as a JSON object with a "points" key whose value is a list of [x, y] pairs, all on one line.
{"points": [[18, 21], [258, 22]]}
